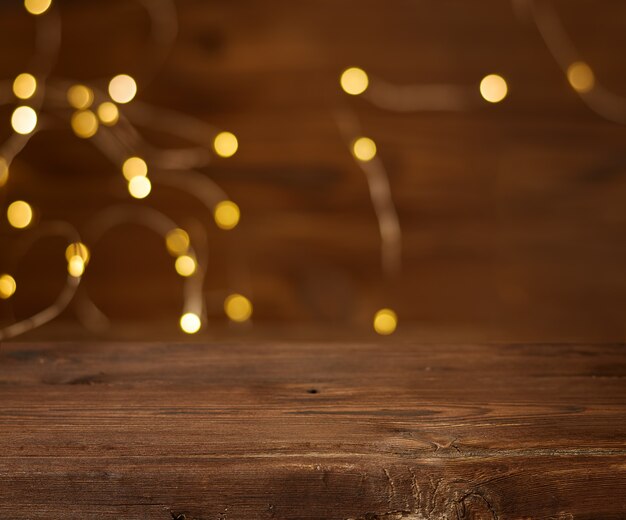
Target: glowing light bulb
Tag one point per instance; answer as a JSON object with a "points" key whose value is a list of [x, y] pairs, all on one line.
{"points": [[37, 6], [185, 265], [80, 96], [177, 242], [237, 307], [122, 88], [385, 322], [24, 120], [84, 123], [7, 286], [139, 187], [108, 113], [225, 144], [76, 266], [19, 214], [134, 167], [4, 171], [354, 81], [226, 214], [493, 88], [190, 323], [581, 77], [24, 86], [364, 149], [77, 249]]}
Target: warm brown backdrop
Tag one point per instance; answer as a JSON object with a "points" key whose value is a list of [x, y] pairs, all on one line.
{"points": [[514, 215]]}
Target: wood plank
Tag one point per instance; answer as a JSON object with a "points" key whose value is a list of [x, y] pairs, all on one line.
{"points": [[383, 430]]}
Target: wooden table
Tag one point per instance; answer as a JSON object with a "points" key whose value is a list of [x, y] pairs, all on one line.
{"points": [[312, 431]]}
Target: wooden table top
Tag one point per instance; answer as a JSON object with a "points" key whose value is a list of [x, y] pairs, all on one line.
{"points": [[312, 431]]}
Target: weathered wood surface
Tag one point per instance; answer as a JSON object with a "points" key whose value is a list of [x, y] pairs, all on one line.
{"points": [[312, 431]]}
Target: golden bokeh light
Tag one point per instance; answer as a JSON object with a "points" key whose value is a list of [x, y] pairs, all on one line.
{"points": [[190, 323], [122, 88], [364, 149], [37, 6], [177, 241], [493, 88], [24, 85], [226, 214], [237, 307], [80, 96], [7, 286], [225, 144], [76, 266], [139, 187], [385, 322], [134, 167], [354, 81], [108, 113], [19, 214], [24, 120], [4, 171], [185, 265], [77, 249], [84, 123], [581, 77]]}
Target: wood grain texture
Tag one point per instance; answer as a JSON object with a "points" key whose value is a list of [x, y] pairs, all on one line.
{"points": [[312, 431]]}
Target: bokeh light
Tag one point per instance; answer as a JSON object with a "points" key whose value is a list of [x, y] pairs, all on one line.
{"points": [[24, 86], [134, 167], [108, 113], [225, 144], [7, 286], [190, 323], [385, 322], [80, 96], [237, 307], [226, 214], [84, 123], [493, 88], [581, 77], [364, 149], [37, 6], [185, 265], [19, 214], [139, 187], [354, 81], [122, 88], [24, 120]]}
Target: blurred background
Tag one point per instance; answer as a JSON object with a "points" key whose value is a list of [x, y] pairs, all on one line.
{"points": [[513, 214]]}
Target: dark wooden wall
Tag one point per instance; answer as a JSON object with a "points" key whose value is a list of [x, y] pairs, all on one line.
{"points": [[513, 215]]}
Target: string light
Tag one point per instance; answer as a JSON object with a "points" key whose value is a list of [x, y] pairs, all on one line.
{"points": [[24, 86], [237, 307], [7, 286], [24, 120], [139, 187], [185, 265], [225, 144], [122, 88], [493, 88], [190, 323], [84, 123], [37, 7], [226, 214], [580, 77], [19, 214], [80, 97], [385, 322], [4, 171], [364, 149], [177, 242], [134, 167], [354, 81], [108, 113]]}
